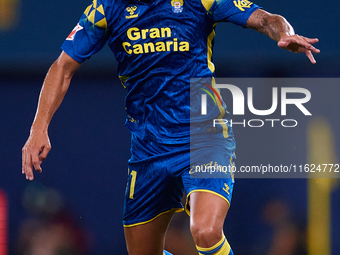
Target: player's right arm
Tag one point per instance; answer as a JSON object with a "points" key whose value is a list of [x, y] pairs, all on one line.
{"points": [[53, 91], [86, 39]]}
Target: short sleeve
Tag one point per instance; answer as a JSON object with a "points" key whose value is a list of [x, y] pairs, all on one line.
{"points": [[237, 11], [89, 35]]}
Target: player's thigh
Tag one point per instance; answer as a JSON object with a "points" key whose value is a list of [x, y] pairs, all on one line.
{"points": [[207, 211], [209, 184], [152, 195], [152, 188], [148, 239], [211, 176], [208, 205]]}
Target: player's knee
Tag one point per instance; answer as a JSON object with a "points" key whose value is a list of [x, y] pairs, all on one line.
{"points": [[205, 234]]}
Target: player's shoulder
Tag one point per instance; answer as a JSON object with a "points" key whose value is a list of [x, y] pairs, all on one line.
{"points": [[207, 4], [198, 5], [114, 3], [105, 10], [109, 4], [104, 3]]}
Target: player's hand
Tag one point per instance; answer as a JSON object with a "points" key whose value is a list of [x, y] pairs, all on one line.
{"points": [[34, 152], [300, 44]]}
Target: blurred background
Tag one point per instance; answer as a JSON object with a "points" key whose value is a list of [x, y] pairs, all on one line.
{"points": [[75, 206]]}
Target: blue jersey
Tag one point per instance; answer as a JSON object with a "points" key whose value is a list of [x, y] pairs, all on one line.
{"points": [[159, 45]]}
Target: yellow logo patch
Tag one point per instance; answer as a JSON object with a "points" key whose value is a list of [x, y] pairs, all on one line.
{"points": [[177, 6], [241, 4], [131, 10]]}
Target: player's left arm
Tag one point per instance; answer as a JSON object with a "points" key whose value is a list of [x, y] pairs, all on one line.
{"points": [[279, 29]]}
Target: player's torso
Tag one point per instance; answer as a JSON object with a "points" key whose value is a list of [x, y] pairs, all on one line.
{"points": [[159, 46]]}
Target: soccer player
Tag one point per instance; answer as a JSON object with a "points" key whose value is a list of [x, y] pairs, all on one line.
{"points": [[159, 45]]}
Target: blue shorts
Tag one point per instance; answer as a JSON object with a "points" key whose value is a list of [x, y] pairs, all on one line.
{"points": [[158, 174]]}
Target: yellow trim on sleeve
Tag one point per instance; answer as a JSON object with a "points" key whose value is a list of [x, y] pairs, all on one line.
{"points": [[91, 16], [144, 222], [102, 23], [202, 190], [87, 10], [101, 9]]}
